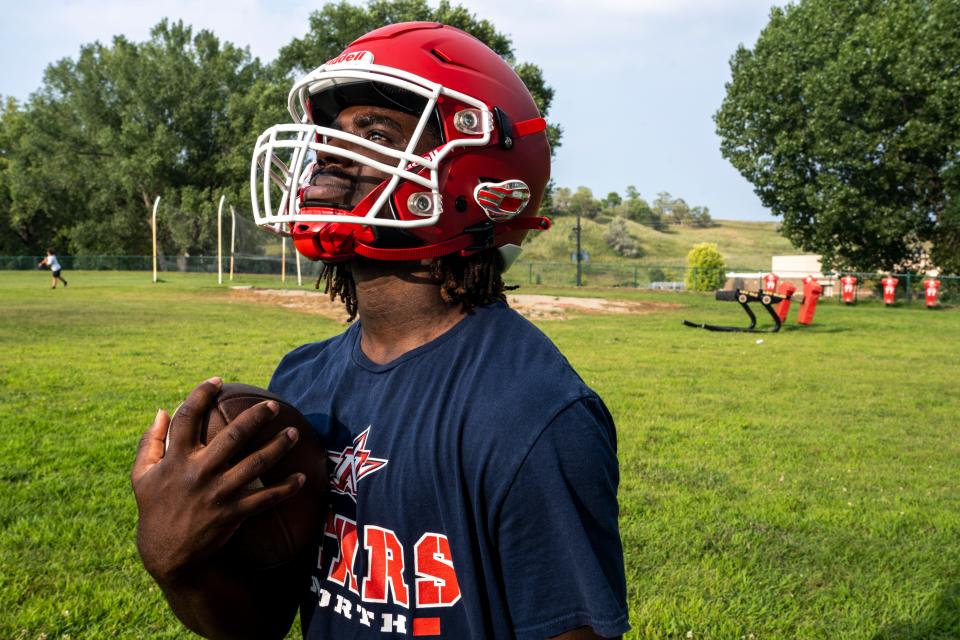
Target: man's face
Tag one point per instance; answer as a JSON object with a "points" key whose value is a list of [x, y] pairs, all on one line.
{"points": [[338, 180]]}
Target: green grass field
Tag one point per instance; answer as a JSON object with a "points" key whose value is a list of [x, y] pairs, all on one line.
{"points": [[804, 487]]}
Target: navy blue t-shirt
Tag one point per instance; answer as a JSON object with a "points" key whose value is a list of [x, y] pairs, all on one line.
{"points": [[473, 487]]}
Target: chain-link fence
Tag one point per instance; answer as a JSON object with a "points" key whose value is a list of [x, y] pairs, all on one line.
{"points": [[597, 275], [910, 287], [270, 265], [546, 273]]}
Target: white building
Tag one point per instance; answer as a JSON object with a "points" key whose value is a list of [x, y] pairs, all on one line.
{"points": [[788, 268], [796, 267]]}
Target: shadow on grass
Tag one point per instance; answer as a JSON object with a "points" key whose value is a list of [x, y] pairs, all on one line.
{"points": [[822, 328], [942, 624], [761, 329]]}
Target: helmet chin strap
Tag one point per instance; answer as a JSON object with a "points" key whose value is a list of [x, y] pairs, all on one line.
{"points": [[329, 241]]}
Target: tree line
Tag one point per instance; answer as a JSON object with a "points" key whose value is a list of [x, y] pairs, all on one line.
{"points": [[664, 211], [83, 159], [614, 211]]}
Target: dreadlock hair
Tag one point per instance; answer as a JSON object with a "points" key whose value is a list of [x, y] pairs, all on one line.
{"points": [[338, 283], [473, 281]]}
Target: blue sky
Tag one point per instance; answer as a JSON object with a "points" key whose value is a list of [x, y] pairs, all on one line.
{"points": [[636, 81]]}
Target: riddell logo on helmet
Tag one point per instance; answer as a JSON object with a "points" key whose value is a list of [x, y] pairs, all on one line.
{"points": [[354, 57]]}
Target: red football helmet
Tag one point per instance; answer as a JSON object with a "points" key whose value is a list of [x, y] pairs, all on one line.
{"points": [[480, 188]]}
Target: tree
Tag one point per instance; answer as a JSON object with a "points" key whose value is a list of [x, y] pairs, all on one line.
{"points": [[561, 201], [335, 26], [700, 217], [121, 124], [617, 235], [663, 204], [706, 270], [845, 116], [584, 204], [679, 212], [639, 210], [547, 207], [16, 229], [672, 210], [612, 201]]}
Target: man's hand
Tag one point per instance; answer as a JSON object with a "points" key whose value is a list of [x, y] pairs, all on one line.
{"points": [[189, 498]]}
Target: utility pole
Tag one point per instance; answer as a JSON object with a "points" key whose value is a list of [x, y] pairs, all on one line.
{"points": [[579, 255]]}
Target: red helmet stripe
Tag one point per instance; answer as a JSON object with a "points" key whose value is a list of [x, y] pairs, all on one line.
{"points": [[528, 127]]}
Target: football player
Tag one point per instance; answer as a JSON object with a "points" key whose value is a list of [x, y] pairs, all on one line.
{"points": [[473, 473]]}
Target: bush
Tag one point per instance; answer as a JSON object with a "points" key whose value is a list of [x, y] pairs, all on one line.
{"points": [[656, 274], [706, 270], [618, 237]]}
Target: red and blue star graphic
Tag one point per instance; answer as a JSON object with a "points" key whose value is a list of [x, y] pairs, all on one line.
{"points": [[352, 464]]}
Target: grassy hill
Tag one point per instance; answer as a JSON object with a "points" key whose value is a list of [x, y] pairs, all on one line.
{"points": [[744, 245]]}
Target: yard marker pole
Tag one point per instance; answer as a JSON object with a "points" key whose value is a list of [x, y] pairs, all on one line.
{"points": [[220, 241], [233, 237], [299, 279], [156, 203], [283, 259]]}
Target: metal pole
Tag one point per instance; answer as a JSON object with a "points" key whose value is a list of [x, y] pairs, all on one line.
{"points": [[283, 259], [220, 241], [579, 255], [299, 279], [156, 203], [233, 237]]}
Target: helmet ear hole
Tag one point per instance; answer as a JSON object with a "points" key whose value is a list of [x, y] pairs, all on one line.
{"points": [[460, 204]]}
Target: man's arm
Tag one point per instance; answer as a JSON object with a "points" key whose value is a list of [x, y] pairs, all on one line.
{"points": [[191, 501], [558, 538]]}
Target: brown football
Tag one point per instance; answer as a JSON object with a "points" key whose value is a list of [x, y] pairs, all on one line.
{"points": [[277, 535]]}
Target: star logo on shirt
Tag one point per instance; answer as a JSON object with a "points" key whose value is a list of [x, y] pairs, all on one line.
{"points": [[353, 464]]}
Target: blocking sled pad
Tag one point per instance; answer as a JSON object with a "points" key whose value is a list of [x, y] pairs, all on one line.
{"points": [[765, 298]]}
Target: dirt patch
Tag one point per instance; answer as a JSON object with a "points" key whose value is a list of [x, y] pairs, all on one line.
{"points": [[560, 307], [302, 300], [535, 307]]}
